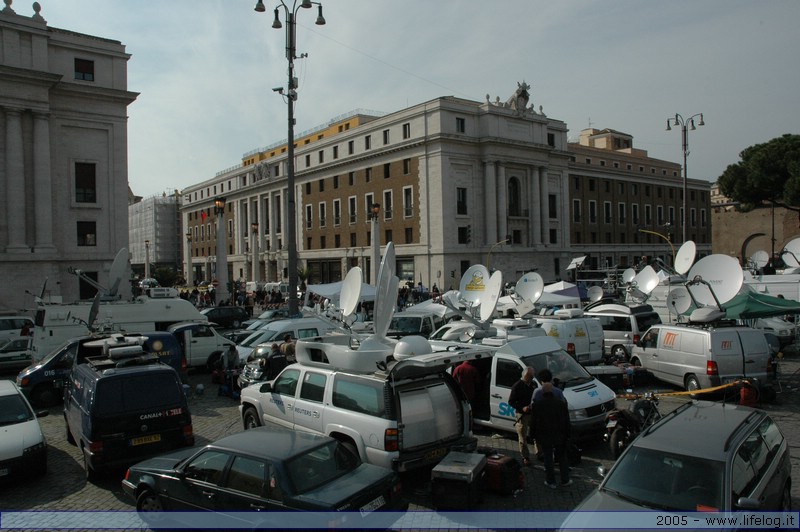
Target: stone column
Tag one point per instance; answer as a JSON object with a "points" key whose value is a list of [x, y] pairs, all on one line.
{"points": [[536, 207], [42, 182], [15, 183], [565, 219], [543, 204], [502, 203], [490, 203]]}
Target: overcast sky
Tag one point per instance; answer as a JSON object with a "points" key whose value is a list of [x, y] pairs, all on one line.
{"points": [[205, 70]]}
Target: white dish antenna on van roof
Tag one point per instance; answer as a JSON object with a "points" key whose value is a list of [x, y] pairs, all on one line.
{"points": [[351, 292], [721, 278], [489, 299], [685, 257], [791, 253], [645, 282], [530, 287], [628, 275], [760, 258], [594, 293], [473, 286], [679, 300]]}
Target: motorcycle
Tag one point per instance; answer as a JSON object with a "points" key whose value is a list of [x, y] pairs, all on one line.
{"points": [[623, 425]]}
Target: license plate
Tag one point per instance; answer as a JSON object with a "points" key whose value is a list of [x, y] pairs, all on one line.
{"points": [[374, 505], [435, 454], [3, 472], [146, 439], [611, 423]]}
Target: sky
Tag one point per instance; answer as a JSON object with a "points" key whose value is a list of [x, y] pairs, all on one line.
{"points": [[205, 70]]}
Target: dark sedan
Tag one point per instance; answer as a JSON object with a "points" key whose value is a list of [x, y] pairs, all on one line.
{"points": [[263, 469]]}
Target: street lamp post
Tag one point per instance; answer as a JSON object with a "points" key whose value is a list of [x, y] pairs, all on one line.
{"points": [[686, 125], [375, 243], [146, 259], [222, 294], [188, 254], [255, 246], [663, 237], [291, 95], [489, 255]]}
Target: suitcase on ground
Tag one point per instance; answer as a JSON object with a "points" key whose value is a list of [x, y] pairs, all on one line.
{"points": [[503, 474], [457, 481]]}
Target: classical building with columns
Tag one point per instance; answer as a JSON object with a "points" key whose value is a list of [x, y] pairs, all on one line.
{"points": [[63, 162], [457, 182]]}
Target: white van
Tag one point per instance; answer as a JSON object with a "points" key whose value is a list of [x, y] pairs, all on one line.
{"points": [[702, 357], [579, 335], [11, 327], [202, 344], [588, 398], [274, 332]]}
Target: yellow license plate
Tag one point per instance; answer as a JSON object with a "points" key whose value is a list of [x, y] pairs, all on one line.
{"points": [[153, 438], [435, 454]]}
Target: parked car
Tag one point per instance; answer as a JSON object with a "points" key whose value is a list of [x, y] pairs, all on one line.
{"points": [[229, 317], [280, 313], [274, 332], [13, 326], [413, 323], [265, 469], [703, 456], [623, 325], [784, 330], [14, 353], [123, 408], [579, 335], [23, 448], [202, 344]]}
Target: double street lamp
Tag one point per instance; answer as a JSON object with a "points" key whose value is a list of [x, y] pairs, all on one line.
{"points": [[188, 254], [686, 125], [376, 243], [291, 95], [255, 246], [222, 294]]}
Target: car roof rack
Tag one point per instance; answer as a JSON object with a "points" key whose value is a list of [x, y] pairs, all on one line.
{"points": [[120, 357]]}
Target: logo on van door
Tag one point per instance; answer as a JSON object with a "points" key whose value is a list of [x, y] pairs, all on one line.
{"points": [[579, 332], [669, 339], [726, 345]]}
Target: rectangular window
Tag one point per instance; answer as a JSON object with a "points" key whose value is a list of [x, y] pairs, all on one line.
{"points": [[368, 175], [553, 236], [387, 235], [648, 214], [322, 214], [369, 199], [336, 181], [87, 233], [592, 211], [352, 240], [84, 69], [387, 170], [408, 202], [308, 188], [622, 212], [309, 214], [461, 200], [551, 139], [660, 214], [461, 125], [607, 212], [337, 241], [351, 147], [409, 235], [464, 234], [703, 217], [552, 206], [576, 210], [85, 183], [322, 185], [322, 244], [385, 137], [321, 156], [672, 215], [406, 166], [351, 178], [352, 209], [387, 205], [635, 214], [308, 161], [406, 131], [337, 213], [336, 152], [367, 142], [693, 217]]}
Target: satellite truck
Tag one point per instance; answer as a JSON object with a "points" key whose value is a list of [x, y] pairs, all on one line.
{"points": [[55, 323]]}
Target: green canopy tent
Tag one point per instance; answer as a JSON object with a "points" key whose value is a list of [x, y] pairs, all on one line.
{"points": [[750, 305]]}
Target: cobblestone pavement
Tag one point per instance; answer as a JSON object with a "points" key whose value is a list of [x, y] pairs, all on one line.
{"points": [[64, 486]]}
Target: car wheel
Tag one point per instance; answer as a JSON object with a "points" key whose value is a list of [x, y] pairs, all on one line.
{"points": [[149, 501], [350, 446], [250, 418], [786, 499], [691, 384], [636, 362], [44, 395], [619, 440], [619, 352], [236, 324]]}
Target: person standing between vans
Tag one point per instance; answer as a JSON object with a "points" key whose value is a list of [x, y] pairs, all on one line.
{"points": [[469, 378], [546, 377], [550, 418], [287, 348], [520, 398], [276, 361]]}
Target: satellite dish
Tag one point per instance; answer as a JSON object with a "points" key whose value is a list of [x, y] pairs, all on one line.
{"points": [[351, 291], [646, 280], [93, 311], [722, 276], [385, 292], [473, 285], [628, 275], [117, 271], [489, 300], [595, 293], [679, 300], [685, 257], [530, 287], [760, 258], [791, 253]]}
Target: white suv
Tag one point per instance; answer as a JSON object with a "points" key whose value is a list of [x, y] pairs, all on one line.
{"points": [[406, 416]]}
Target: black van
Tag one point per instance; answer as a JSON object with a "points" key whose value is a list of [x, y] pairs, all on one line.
{"points": [[123, 408], [43, 382]]}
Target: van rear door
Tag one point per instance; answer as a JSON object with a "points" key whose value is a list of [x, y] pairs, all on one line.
{"points": [[726, 351]]}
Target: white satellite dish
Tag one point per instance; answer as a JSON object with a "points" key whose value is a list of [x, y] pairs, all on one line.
{"points": [[351, 292], [489, 300], [679, 300], [791, 253], [117, 271], [685, 257], [628, 275], [721, 275], [385, 292], [760, 258], [473, 285], [530, 287], [594, 293], [647, 280]]}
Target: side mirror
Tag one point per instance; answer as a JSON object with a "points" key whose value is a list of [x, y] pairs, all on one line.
{"points": [[601, 471], [265, 388], [746, 503], [42, 413]]}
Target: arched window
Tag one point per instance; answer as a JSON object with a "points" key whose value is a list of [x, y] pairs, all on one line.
{"points": [[514, 196]]}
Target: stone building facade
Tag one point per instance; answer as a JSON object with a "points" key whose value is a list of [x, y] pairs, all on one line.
{"points": [[63, 166]]}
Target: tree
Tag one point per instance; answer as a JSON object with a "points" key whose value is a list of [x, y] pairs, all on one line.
{"points": [[768, 172]]}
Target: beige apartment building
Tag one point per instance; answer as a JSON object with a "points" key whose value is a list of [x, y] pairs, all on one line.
{"points": [[63, 158], [457, 182]]}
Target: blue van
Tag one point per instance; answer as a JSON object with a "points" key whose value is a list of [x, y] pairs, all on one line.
{"points": [[43, 382]]}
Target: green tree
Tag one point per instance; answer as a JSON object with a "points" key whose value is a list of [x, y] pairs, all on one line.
{"points": [[768, 172]]}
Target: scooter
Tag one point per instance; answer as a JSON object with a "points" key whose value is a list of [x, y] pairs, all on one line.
{"points": [[623, 425]]}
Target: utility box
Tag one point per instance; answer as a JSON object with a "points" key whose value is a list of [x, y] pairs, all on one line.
{"points": [[458, 481]]}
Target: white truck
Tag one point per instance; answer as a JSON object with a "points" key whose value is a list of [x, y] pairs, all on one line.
{"points": [[202, 344]]}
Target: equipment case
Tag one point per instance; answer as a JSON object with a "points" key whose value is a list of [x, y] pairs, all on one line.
{"points": [[457, 481], [503, 474]]}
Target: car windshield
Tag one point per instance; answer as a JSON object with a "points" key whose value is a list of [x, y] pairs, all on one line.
{"points": [[258, 337], [320, 466], [70, 347], [14, 409], [256, 325], [405, 324], [667, 481], [567, 372]]}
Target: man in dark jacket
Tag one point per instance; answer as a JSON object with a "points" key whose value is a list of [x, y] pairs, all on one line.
{"points": [[520, 399], [276, 361], [551, 428]]}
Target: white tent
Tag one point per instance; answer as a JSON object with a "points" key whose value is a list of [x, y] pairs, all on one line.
{"points": [[332, 291], [429, 306]]}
